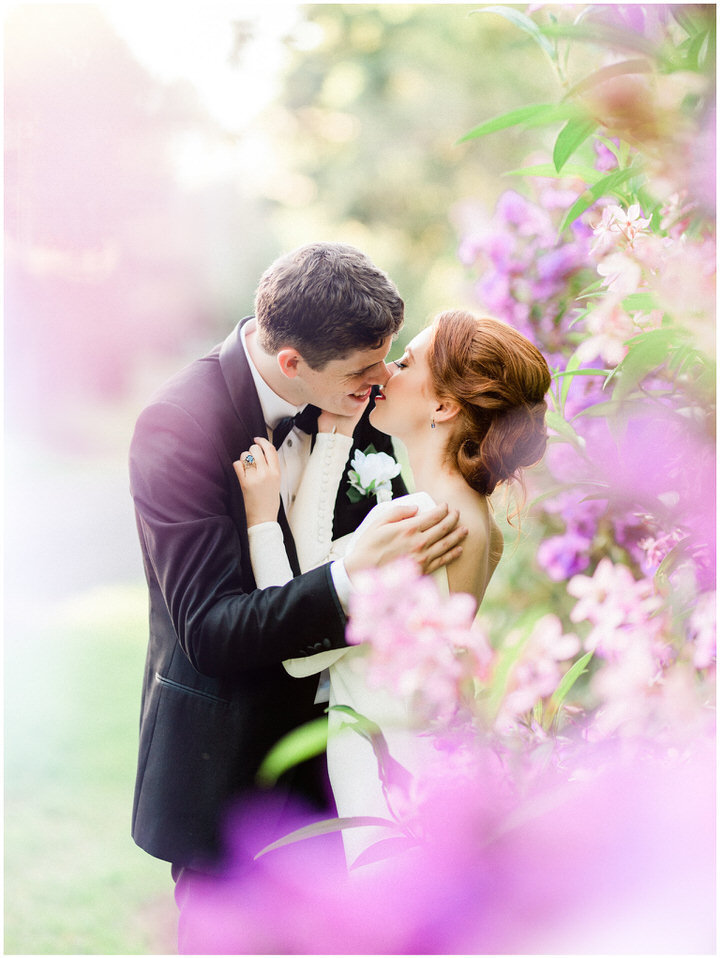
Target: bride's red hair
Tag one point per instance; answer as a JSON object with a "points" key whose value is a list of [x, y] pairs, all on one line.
{"points": [[499, 379]]}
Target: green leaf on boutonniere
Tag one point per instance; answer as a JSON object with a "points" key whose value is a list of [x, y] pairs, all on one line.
{"points": [[353, 494]]}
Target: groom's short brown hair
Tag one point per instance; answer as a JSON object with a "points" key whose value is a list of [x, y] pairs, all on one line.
{"points": [[326, 300]]}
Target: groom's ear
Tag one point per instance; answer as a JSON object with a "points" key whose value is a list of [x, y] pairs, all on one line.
{"points": [[289, 360], [445, 411]]}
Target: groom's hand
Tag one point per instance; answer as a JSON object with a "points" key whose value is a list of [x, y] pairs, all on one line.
{"points": [[432, 539]]}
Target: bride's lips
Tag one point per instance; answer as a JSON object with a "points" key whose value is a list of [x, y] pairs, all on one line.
{"points": [[380, 395]]}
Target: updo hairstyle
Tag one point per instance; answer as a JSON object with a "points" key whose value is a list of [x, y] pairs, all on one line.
{"points": [[499, 379]]}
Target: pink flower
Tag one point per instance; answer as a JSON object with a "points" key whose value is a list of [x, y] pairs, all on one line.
{"points": [[537, 672], [622, 275], [423, 645], [610, 328], [618, 229], [619, 608], [657, 548]]}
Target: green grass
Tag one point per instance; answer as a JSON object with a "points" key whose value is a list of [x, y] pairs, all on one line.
{"points": [[75, 883]]}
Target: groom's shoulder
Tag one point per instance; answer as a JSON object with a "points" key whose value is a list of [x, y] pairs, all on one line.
{"points": [[191, 382], [192, 404]]}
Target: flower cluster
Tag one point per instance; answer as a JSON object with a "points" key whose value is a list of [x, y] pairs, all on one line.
{"points": [[602, 863], [537, 671], [621, 610], [527, 272], [424, 646], [627, 322]]}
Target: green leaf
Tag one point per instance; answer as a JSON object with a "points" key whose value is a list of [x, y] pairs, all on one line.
{"points": [[519, 19], [563, 428], [670, 561], [635, 302], [325, 827], [605, 185], [585, 173], [569, 139], [610, 409], [563, 690], [580, 372], [567, 376], [570, 372], [592, 290], [384, 849], [541, 114], [507, 657], [389, 770], [551, 493], [569, 679], [601, 35], [297, 746], [646, 352]]}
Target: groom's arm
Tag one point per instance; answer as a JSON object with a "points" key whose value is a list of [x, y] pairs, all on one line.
{"points": [[185, 495]]}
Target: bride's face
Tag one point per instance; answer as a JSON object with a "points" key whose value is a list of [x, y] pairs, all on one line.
{"points": [[406, 400]]}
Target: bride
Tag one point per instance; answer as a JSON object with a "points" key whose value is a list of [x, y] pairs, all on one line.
{"points": [[467, 401]]}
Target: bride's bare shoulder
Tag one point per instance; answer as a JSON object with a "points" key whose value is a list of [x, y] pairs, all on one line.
{"points": [[481, 549]]}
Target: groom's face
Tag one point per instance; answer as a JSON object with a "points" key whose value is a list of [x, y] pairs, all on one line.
{"points": [[343, 386]]}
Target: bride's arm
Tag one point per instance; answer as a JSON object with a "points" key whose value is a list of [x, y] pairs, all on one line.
{"points": [[310, 517], [260, 484]]}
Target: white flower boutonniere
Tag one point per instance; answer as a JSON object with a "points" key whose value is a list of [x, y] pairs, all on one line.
{"points": [[371, 474]]}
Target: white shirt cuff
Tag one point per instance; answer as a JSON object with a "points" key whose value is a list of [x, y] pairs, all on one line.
{"points": [[342, 583]]}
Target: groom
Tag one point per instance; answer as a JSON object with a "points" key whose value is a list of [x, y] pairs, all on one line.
{"points": [[215, 695]]}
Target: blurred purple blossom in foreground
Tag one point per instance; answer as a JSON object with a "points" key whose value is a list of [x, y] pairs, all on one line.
{"points": [[617, 857], [595, 835]]}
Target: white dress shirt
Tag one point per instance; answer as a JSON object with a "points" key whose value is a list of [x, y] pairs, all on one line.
{"points": [[295, 450], [293, 455]]}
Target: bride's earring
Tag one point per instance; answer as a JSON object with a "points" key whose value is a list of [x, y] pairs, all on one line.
{"points": [[432, 424]]}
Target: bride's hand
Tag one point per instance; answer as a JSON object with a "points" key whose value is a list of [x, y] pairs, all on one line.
{"points": [[432, 539], [344, 425], [258, 471]]}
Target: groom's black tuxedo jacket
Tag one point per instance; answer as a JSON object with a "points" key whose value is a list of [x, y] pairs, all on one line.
{"points": [[215, 695]]}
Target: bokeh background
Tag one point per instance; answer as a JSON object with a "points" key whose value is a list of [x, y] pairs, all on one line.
{"points": [[157, 158]]}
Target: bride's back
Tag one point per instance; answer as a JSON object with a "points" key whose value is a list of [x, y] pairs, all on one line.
{"points": [[483, 545]]}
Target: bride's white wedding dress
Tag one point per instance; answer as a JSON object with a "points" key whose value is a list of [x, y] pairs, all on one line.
{"points": [[352, 764]]}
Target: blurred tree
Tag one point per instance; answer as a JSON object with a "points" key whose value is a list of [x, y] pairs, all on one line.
{"points": [[110, 258], [374, 100]]}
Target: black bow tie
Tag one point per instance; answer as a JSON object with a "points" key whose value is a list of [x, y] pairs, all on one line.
{"points": [[306, 419]]}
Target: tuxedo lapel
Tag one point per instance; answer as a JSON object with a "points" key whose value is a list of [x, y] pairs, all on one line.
{"points": [[238, 378], [251, 422]]}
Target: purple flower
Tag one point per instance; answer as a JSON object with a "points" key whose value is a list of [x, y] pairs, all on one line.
{"points": [[564, 556], [606, 159], [558, 263], [610, 855]]}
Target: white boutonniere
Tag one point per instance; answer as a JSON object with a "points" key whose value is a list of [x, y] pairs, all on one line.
{"points": [[371, 474]]}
